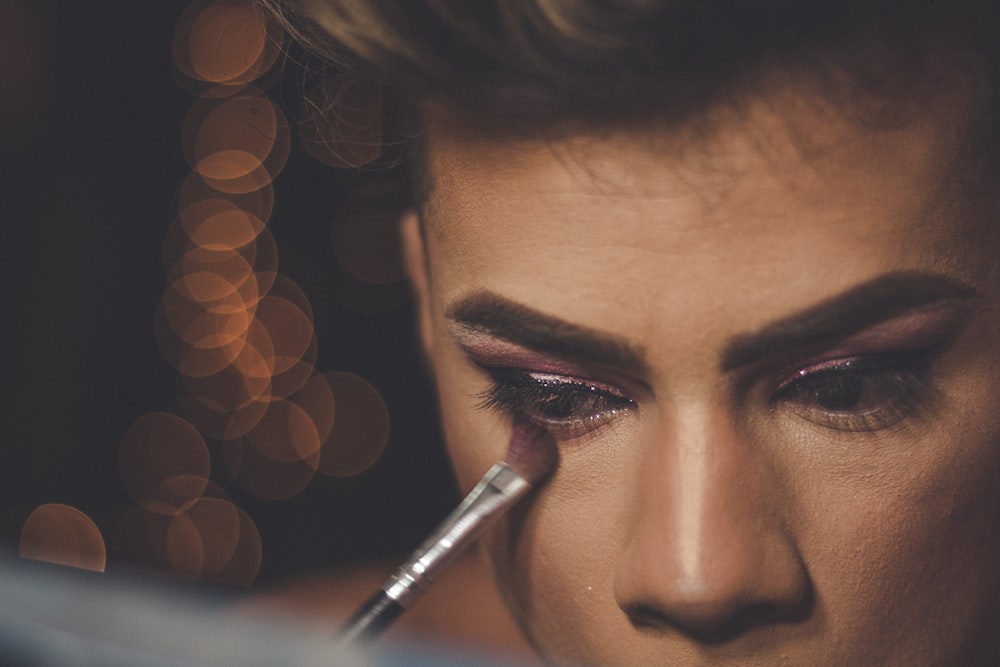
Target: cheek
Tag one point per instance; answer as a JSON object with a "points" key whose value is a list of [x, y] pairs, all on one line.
{"points": [[919, 552], [555, 558], [554, 562]]}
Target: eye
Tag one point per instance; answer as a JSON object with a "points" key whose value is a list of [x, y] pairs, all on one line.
{"points": [[567, 407], [866, 393]]}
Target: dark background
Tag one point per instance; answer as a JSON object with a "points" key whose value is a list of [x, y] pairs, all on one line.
{"points": [[91, 162]]}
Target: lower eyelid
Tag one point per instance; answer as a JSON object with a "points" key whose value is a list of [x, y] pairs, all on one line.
{"points": [[586, 425]]}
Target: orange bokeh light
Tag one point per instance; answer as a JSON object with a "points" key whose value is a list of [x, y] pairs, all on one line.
{"points": [[219, 224], [217, 421], [252, 269], [225, 44], [257, 203], [285, 288], [240, 334], [192, 360], [206, 536], [246, 380], [257, 178], [226, 40], [232, 266], [228, 165], [64, 535], [286, 433], [242, 568], [296, 374], [264, 477], [203, 538], [290, 329], [211, 324], [156, 447], [239, 144], [175, 493], [316, 398], [360, 430], [341, 125]]}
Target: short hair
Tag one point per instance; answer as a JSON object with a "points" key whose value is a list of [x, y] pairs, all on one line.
{"points": [[511, 64], [551, 58]]}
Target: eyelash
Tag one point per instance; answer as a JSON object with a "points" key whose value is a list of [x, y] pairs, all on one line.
{"points": [[828, 395], [568, 408], [860, 394]]}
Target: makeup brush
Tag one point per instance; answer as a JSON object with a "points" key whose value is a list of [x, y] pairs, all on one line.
{"points": [[531, 456]]}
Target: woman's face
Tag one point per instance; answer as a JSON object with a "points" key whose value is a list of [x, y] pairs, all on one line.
{"points": [[769, 350]]}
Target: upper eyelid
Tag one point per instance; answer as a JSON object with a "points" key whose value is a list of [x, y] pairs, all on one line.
{"points": [[878, 361], [538, 380], [516, 357], [572, 385], [576, 381], [829, 366], [870, 361], [631, 389], [935, 328]]}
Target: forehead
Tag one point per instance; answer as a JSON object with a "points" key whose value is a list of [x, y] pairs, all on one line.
{"points": [[786, 196], [785, 138]]}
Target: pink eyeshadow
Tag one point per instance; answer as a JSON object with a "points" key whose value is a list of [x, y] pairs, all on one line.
{"points": [[490, 351], [910, 332]]}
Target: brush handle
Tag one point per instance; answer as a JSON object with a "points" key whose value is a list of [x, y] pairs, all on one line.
{"points": [[371, 619], [499, 488]]}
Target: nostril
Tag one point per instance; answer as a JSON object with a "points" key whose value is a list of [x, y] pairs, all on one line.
{"points": [[705, 628], [644, 617], [711, 624]]}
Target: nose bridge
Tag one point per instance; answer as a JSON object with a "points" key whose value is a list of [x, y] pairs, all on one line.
{"points": [[697, 477], [711, 495], [707, 551]]}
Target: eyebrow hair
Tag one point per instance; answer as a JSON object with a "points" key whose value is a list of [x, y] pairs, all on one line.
{"points": [[872, 302], [489, 313], [869, 303]]}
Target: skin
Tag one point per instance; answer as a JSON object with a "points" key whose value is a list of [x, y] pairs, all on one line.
{"points": [[719, 515]]}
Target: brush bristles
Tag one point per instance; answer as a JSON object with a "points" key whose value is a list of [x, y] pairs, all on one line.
{"points": [[532, 451]]}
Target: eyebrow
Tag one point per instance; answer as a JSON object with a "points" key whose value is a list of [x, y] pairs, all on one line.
{"points": [[875, 301], [489, 313]]}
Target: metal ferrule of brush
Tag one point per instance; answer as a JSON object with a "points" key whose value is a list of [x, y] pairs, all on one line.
{"points": [[497, 490]]}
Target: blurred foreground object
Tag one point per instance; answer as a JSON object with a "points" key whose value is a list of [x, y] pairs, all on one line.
{"points": [[51, 616], [463, 610]]}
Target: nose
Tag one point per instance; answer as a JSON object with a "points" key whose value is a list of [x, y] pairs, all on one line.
{"points": [[708, 554]]}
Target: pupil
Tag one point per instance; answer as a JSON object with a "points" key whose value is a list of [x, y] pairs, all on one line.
{"points": [[557, 408], [841, 394]]}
